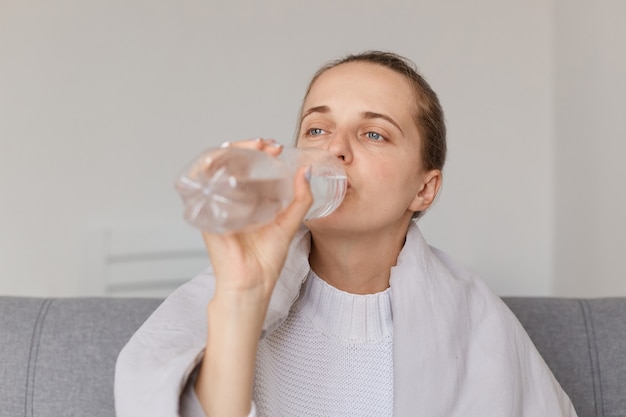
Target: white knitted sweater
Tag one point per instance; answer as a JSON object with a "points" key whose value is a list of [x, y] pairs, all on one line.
{"points": [[332, 356]]}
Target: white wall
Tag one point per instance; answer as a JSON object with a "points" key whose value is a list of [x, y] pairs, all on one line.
{"points": [[103, 102], [591, 142]]}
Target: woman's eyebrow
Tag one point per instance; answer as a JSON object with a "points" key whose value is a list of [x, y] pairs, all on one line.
{"points": [[317, 109], [373, 115], [365, 115]]}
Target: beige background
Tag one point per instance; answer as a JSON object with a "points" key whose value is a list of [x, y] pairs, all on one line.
{"points": [[102, 102]]}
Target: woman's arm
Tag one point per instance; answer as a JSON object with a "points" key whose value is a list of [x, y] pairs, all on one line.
{"points": [[224, 384], [246, 267]]}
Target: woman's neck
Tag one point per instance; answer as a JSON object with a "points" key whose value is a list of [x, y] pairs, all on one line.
{"points": [[359, 264]]}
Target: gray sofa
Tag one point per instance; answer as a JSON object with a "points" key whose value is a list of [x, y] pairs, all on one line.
{"points": [[57, 356]]}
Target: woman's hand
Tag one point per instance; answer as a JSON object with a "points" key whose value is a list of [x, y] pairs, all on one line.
{"points": [[246, 267], [247, 264]]}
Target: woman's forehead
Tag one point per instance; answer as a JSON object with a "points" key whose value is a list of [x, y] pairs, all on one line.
{"points": [[365, 86]]}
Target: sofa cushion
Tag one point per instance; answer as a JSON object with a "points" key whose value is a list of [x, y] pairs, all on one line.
{"points": [[58, 355], [583, 342]]}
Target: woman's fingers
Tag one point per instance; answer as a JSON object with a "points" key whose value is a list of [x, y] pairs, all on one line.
{"points": [[266, 145], [291, 218]]}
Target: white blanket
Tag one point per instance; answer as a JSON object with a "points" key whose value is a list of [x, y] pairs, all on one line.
{"points": [[458, 350]]}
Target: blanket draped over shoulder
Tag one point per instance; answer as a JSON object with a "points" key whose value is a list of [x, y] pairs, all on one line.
{"points": [[457, 348]]}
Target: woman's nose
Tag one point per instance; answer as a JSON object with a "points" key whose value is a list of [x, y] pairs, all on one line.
{"points": [[340, 146]]}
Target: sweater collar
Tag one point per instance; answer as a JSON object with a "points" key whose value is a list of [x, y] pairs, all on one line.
{"points": [[353, 318]]}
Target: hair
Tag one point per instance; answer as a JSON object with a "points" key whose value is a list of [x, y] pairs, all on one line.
{"points": [[428, 116]]}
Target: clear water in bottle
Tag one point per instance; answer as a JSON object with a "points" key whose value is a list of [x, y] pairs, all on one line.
{"points": [[233, 189], [326, 190]]}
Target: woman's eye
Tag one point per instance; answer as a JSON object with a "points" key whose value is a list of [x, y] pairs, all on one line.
{"points": [[374, 136], [315, 131]]}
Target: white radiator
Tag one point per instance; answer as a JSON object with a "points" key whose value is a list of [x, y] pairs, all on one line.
{"points": [[141, 262]]}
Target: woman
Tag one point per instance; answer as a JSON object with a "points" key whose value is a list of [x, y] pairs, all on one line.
{"points": [[354, 314]]}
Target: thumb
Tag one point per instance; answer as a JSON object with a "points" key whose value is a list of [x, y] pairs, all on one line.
{"points": [[291, 218]]}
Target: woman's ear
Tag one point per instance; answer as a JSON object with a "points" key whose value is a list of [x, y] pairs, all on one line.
{"points": [[428, 191]]}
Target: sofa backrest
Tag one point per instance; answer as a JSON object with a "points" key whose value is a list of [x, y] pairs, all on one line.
{"points": [[57, 356]]}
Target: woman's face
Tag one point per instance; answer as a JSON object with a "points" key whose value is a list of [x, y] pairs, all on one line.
{"points": [[363, 114]]}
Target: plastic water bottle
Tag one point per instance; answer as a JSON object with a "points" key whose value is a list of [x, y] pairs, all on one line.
{"points": [[231, 189]]}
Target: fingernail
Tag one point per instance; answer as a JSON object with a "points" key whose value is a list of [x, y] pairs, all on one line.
{"points": [[307, 174], [275, 145], [225, 144]]}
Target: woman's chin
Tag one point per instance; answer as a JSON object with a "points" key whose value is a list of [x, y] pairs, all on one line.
{"points": [[332, 221], [339, 221]]}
